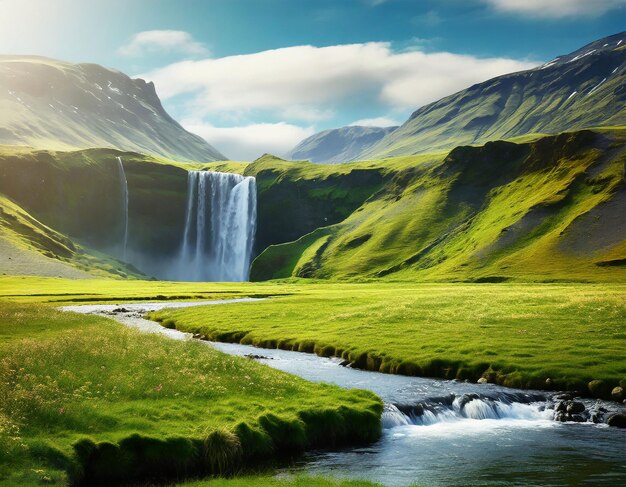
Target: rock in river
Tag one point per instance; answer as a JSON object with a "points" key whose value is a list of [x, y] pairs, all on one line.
{"points": [[617, 420]]}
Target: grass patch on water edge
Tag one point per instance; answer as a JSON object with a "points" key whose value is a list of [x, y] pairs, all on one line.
{"points": [[518, 335], [87, 399]]}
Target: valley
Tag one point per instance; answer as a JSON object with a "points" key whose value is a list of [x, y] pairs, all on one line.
{"points": [[439, 301]]}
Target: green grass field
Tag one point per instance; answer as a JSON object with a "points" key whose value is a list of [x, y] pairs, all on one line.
{"points": [[86, 398], [518, 335]]}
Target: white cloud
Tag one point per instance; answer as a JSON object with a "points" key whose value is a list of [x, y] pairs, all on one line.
{"points": [[249, 142], [556, 8], [162, 40], [321, 77], [310, 84], [417, 78], [376, 122]]}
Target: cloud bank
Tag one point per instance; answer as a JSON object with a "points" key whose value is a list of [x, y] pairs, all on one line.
{"points": [[151, 41], [314, 77], [248, 142], [556, 8], [301, 85]]}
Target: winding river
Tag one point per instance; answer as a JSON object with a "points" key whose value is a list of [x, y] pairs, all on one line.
{"points": [[436, 432]]}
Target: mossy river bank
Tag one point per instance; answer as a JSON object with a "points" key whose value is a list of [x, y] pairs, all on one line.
{"points": [[439, 432]]}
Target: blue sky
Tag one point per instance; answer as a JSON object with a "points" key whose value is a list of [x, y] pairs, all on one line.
{"points": [[258, 76]]}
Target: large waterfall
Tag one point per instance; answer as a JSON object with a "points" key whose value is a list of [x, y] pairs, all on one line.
{"points": [[124, 206], [220, 224]]}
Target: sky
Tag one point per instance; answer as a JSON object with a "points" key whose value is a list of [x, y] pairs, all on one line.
{"points": [[257, 76]]}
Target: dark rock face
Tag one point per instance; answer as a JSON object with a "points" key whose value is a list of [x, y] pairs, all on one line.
{"points": [[599, 389], [618, 394], [575, 407], [78, 193], [617, 420], [254, 356], [570, 410], [290, 206]]}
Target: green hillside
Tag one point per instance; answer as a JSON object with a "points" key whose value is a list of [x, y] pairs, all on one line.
{"points": [[538, 209], [28, 247], [541, 210]]}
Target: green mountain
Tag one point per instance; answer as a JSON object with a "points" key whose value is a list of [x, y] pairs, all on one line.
{"points": [[49, 104], [586, 88], [338, 145], [547, 209], [531, 208]]}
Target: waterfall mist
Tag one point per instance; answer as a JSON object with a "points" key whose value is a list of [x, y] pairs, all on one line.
{"points": [[220, 224]]}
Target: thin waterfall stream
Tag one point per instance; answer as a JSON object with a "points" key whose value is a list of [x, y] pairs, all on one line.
{"points": [[124, 205], [440, 432]]}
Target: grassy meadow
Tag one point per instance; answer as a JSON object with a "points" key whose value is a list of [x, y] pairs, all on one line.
{"points": [[518, 335], [86, 399]]}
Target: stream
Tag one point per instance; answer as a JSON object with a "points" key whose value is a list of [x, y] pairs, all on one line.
{"points": [[439, 432]]}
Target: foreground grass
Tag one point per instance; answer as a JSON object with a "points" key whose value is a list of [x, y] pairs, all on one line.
{"points": [[84, 396], [518, 335]]}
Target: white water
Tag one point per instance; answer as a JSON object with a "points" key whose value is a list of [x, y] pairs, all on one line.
{"points": [[220, 224], [124, 186], [500, 407]]}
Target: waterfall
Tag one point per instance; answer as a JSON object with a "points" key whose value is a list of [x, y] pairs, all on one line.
{"points": [[124, 193], [220, 224]]}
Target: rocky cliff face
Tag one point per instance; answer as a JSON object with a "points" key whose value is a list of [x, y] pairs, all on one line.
{"points": [[49, 104], [79, 194]]}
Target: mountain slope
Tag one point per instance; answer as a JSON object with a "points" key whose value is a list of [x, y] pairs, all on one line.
{"points": [[584, 89], [338, 145], [28, 247], [551, 209], [51, 104]]}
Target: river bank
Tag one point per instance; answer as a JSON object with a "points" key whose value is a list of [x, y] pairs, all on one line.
{"points": [[520, 432], [530, 336], [88, 401]]}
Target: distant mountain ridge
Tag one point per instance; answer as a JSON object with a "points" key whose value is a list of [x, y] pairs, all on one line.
{"points": [[50, 104], [583, 89], [338, 145], [586, 88]]}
